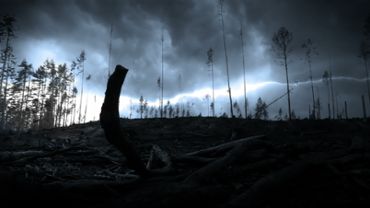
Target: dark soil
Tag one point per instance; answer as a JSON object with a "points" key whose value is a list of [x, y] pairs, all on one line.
{"points": [[300, 164]]}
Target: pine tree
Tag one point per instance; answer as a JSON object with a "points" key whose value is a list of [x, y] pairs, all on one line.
{"points": [[310, 50], [261, 110], [244, 81], [162, 76], [237, 109], [7, 34], [38, 81], [279, 116], [87, 99], [8, 77], [20, 85], [326, 81], [226, 56], [141, 107], [282, 40], [52, 95], [80, 66], [210, 63]]}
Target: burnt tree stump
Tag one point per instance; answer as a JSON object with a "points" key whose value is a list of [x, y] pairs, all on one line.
{"points": [[110, 121]]}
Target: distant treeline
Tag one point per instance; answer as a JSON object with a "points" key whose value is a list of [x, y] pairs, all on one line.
{"points": [[45, 97]]}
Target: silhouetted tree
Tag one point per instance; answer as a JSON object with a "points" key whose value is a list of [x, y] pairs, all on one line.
{"points": [[261, 110], [177, 110], [160, 96], [39, 81], [220, 3], [53, 91], [79, 64], [237, 109], [210, 63], [279, 116], [206, 98], [162, 76], [20, 85], [325, 78], [282, 39], [141, 106], [244, 81], [365, 51], [63, 81], [7, 76], [364, 55], [87, 100], [310, 51], [7, 34], [332, 93]]}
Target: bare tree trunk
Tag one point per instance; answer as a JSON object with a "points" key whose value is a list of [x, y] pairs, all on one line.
{"points": [[82, 92], [245, 87], [162, 81], [4, 112], [332, 94], [4, 68], [287, 84], [227, 61], [313, 92], [213, 91], [110, 121]]}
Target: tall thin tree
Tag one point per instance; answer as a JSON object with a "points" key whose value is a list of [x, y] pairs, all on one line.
{"points": [[326, 81], [365, 51], [210, 63], [282, 39], [22, 77], [310, 50], [244, 81], [332, 93], [364, 55], [87, 100], [162, 76], [81, 66], [110, 50], [220, 3], [6, 32]]}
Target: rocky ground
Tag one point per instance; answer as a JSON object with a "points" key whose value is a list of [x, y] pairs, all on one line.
{"points": [[292, 164]]}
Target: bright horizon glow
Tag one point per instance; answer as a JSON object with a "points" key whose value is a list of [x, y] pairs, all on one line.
{"points": [[95, 100], [126, 102]]}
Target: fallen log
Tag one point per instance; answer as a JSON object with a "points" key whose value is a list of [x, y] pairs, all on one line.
{"points": [[110, 121], [239, 149], [223, 148]]}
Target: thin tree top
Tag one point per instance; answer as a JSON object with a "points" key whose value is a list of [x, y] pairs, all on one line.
{"points": [[282, 38]]}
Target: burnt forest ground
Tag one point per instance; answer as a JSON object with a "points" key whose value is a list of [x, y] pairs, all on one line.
{"points": [[304, 163]]}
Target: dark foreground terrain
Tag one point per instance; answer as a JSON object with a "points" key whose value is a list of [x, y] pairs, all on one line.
{"points": [[297, 164]]}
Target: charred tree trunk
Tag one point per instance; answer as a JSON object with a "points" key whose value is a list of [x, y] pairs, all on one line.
{"points": [[110, 121]]}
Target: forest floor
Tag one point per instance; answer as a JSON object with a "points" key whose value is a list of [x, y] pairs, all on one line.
{"points": [[301, 163]]}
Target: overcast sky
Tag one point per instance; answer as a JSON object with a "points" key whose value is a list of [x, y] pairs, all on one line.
{"points": [[61, 29]]}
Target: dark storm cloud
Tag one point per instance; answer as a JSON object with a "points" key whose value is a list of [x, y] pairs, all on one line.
{"points": [[190, 28]]}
